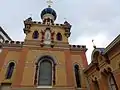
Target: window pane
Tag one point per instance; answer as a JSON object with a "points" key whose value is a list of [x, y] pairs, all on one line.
{"points": [[113, 87], [45, 73], [96, 86], [76, 70], [10, 70], [112, 83], [111, 80], [59, 36], [35, 34]]}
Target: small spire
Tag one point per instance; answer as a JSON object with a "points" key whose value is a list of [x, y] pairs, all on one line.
{"points": [[94, 46], [65, 19], [49, 2]]}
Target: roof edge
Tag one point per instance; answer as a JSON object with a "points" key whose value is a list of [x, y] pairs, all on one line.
{"points": [[112, 44], [5, 33]]}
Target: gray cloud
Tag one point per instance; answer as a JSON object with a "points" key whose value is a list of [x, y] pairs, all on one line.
{"points": [[90, 19], [97, 16]]}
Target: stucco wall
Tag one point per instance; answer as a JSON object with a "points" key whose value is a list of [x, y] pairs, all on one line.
{"points": [[12, 56]]}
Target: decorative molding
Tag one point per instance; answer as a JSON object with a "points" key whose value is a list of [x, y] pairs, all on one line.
{"points": [[112, 44]]}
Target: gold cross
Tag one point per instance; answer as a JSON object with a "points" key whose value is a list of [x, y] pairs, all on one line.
{"points": [[50, 2]]}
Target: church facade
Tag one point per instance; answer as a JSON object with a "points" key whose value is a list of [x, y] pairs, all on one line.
{"points": [[45, 60]]}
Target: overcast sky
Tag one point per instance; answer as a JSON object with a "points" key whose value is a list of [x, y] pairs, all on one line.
{"points": [[90, 19]]}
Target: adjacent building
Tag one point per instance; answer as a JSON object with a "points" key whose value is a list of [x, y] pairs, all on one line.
{"points": [[103, 73]]}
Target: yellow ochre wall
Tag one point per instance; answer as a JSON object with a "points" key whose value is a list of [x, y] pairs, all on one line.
{"points": [[39, 28], [25, 59], [12, 56], [33, 56], [26, 56]]}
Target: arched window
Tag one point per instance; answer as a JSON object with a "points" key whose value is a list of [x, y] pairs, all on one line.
{"points": [[10, 70], [77, 76], [45, 73], [59, 37], [35, 35], [111, 82], [96, 85]]}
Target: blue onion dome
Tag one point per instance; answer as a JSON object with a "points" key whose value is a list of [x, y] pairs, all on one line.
{"points": [[48, 11]]}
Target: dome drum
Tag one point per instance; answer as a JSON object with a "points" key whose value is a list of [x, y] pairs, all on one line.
{"points": [[48, 13], [46, 16]]}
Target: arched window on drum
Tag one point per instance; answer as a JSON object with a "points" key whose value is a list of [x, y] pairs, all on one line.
{"points": [[35, 35], [59, 37]]}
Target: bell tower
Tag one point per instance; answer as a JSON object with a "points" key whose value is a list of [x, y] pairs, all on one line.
{"points": [[46, 32], [48, 15]]}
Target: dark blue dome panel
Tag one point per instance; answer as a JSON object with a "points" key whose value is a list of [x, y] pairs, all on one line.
{"points": [[48, 11]]}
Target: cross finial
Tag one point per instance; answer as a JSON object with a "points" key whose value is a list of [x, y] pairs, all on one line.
{"points": [[93, 44], [50, 2]]}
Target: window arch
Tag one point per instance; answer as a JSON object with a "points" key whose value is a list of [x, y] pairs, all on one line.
{"points": [[77, 76], [10, 70], [35, 35], [45, 71], [111, 81], [59, 37]]}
